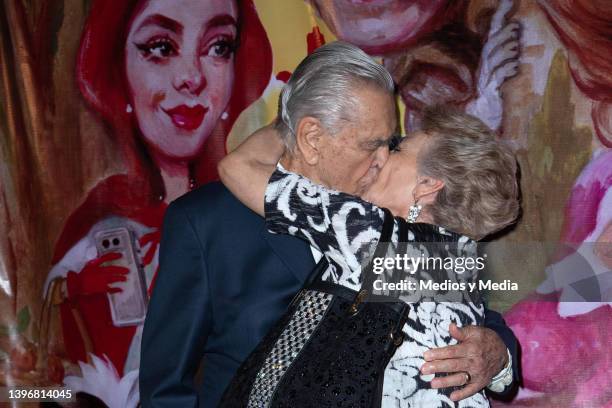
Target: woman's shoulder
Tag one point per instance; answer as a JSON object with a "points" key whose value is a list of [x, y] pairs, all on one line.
{"points": [[425, 232]]}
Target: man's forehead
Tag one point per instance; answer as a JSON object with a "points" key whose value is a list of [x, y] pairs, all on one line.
{"points": [[367, 138], [372, 120], [375, 132]]}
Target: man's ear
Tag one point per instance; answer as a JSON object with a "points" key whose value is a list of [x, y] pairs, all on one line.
{"points": [[427, 189], [309, 136]]}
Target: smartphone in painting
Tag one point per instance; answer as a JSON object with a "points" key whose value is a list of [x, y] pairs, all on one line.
{"points": [[129, 306]]}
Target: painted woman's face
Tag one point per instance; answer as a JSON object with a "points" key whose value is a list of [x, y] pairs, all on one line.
{"points": [[379, 26], [179, 59]]}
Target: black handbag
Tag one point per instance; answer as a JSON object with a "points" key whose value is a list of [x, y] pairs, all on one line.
{"points": [[329, 349]]}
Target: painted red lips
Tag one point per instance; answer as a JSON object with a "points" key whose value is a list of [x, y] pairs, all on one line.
{"points": [[187, 117]]}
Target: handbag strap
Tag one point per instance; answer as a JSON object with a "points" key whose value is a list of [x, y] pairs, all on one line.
{"points": [[403, 231], [381, 249], [402, 246], [317, 273]]}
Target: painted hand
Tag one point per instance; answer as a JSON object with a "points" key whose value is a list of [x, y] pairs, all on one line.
{"points": [[95, 277], [498, 62]]}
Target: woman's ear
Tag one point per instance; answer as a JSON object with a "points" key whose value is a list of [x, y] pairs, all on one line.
{"points": [[427, 189], [308, 139]]}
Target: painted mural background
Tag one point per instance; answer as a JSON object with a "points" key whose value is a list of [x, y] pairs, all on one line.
{"points": [[105, 117]]}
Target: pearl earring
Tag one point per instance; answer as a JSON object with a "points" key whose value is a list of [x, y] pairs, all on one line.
{"points": [[224, 116], [413, 212], [128, 108]]}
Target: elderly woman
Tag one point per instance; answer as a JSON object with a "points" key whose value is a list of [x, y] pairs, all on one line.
{"points": [[453, 182]]}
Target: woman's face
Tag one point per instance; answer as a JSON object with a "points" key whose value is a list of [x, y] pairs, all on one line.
{"points": [[394, 188], [379, 26], [179, 59]]}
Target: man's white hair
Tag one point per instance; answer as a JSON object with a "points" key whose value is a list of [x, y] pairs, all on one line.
{"points": [[322, 87]]}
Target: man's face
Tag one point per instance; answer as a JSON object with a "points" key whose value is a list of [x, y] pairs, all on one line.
{"points": [[351, 159]]}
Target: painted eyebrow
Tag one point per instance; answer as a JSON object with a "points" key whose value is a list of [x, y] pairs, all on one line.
{"points": [[162, 21], [176, 27], [221, 20]]}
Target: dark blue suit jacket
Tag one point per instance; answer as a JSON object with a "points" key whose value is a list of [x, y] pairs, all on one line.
{"points": [[223, 281]]}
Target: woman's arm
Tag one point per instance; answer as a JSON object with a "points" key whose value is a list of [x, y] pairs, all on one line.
{"points": [[246, 170], [343, 227]]}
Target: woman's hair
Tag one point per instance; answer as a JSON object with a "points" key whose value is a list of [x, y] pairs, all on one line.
{"points": [[100, 73], [480, 194], [323, 84]]}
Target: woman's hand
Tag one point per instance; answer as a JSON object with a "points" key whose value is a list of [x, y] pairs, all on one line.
{"points": [[246, 170]]}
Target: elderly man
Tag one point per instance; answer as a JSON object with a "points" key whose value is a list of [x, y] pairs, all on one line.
{"points": [[235, 279]]}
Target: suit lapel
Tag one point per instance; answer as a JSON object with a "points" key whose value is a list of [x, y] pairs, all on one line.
{"points": [[293, 252]]}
